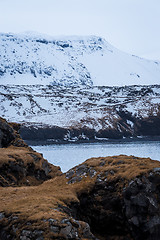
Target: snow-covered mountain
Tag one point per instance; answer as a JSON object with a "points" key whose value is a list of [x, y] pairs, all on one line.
{"points": [[83, 112], [37, 59], [62, 88], [92, 107]]}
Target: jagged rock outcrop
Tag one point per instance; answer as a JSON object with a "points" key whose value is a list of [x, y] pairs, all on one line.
{"points": [[6, 133], [19, 164], [115, 198], [9, 135]]}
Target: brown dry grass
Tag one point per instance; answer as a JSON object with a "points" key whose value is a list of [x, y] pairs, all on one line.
{"points": [[41, 201], [35, 202], [127, 167], [24, 156], [12, 153]]}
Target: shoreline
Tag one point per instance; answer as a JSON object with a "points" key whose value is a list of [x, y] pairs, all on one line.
{"points": [[63, 142]]}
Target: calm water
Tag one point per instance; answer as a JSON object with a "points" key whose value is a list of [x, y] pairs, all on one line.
{"points": [[69, 155]]}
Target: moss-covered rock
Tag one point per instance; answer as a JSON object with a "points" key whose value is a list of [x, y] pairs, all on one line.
{"points": [[103, 198], [19, 164]]}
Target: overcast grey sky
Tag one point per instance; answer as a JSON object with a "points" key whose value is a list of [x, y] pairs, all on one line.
{"points": [[130, 25]]}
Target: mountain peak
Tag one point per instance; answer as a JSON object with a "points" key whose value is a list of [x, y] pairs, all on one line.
{"points": [[31, 57]]}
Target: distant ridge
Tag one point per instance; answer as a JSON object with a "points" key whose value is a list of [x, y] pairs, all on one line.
{"points": [[32, 58]]}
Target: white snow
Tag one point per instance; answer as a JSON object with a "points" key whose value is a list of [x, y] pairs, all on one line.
{"points": [[130, 123], [32, 58], [96, 108], [62, 81]]}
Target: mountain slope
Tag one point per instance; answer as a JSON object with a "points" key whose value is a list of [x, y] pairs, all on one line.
{"points": [[37, 59], [60, 99], [108, 112]]}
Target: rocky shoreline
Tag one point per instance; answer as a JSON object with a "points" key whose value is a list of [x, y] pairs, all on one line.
{"points": [[148, 127], [113, 198]]}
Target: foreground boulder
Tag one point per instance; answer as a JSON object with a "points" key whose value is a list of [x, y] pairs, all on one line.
{"points": [[115, 198], [19, 164]]}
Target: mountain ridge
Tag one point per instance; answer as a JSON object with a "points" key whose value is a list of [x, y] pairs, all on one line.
{"points": [[71, 60]]}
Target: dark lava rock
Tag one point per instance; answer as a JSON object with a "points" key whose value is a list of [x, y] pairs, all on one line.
{"points": [[6, 133], [117, 212], [141, 206]]}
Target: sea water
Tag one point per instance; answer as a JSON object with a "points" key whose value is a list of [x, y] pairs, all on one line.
{"points": [[69, 155]]}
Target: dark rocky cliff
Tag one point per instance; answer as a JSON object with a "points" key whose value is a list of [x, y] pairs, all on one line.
{"points": [[19, 164], [144, 127]]}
